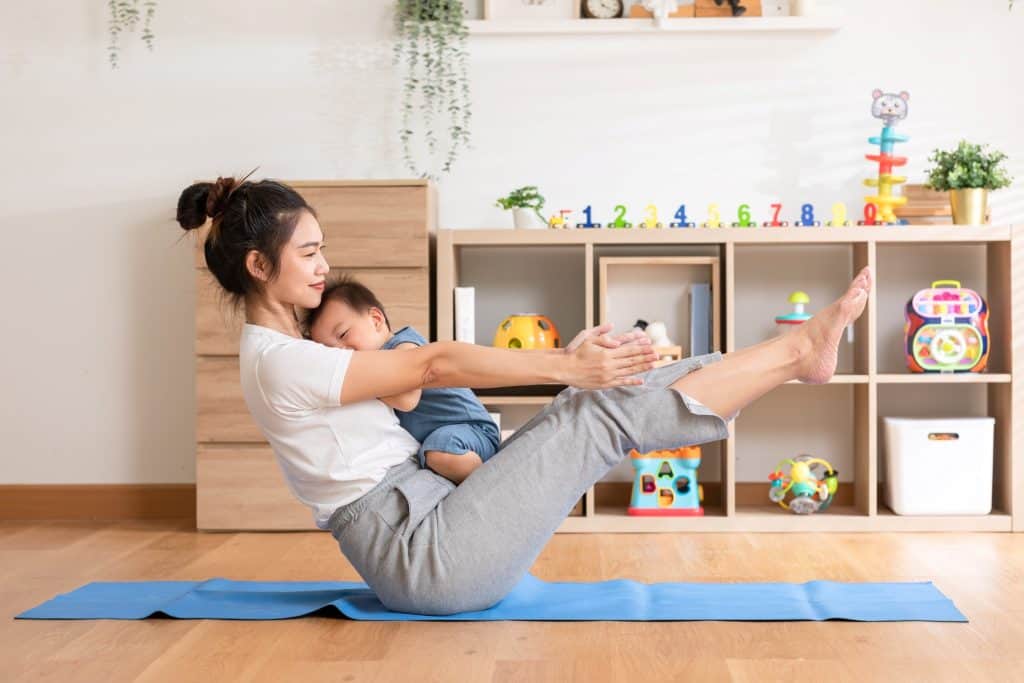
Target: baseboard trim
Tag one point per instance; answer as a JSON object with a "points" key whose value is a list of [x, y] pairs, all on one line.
{"points": [[97, 501]]}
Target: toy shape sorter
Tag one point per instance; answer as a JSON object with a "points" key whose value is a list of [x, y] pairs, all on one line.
{"points": [[666, 483]]}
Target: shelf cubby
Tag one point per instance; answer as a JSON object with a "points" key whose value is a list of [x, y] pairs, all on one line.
{"points": [[818, 420], [838, 421], [651, 288], [766, 275], [934, 400], [511, 279], [612, 493], [904, 269]]}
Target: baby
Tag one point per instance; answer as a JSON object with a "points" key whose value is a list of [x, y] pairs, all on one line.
{"points": [[454, 429]]}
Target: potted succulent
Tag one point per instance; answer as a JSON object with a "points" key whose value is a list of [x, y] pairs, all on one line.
{"points": [[968, 173], [526, 204]]}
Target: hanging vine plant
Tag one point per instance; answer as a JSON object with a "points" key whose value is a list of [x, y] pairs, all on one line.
{"points": [[431, 45], [124, 16]]}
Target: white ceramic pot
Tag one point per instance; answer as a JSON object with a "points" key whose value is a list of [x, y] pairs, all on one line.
{"points": [[801, 8], [525, 219]]}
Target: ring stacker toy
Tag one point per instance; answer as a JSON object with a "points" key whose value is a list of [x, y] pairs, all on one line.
{"points": [[789, 322], [891, 108]]}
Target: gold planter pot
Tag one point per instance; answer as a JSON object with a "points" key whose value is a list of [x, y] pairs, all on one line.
{"points": [[970, 206]]}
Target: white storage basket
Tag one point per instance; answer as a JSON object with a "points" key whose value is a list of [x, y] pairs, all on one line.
{"points": [[940, 466]]}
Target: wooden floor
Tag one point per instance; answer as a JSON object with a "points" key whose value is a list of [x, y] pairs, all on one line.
{"points": [[982, 573]]}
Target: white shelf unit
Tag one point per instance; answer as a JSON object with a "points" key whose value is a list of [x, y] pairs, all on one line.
{"points": [[857, 390], [570, 26]]}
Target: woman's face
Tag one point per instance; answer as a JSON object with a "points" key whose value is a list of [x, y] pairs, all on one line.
{"points": [[302, 267]]}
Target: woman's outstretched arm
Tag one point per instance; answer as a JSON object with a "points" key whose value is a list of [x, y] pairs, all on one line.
{"points": [[455, 364]]}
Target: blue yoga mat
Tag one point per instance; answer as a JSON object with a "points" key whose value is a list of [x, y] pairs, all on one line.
{"points": [[531, 600]]}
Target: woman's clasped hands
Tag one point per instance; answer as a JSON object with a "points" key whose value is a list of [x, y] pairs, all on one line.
{"points": [[598, 360]]}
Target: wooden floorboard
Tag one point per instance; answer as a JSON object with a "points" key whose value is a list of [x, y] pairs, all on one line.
{"points": [[982, 573]]}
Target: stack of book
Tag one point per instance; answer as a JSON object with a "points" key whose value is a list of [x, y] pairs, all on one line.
{"points": [[700, 318], [925, 206]]}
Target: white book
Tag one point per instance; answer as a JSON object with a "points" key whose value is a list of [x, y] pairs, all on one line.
{"points": [[497, 419], [465, 316]]}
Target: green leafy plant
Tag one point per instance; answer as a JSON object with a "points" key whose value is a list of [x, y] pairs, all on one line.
{"points": [[524, 198], [124, 16], [431, 43], [967, 166]]}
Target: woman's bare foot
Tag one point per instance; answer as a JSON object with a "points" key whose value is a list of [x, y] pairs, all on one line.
{"points": [[819, 336]]}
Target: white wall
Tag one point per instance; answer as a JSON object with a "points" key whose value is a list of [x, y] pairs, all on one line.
{"points": [[97, 362]]}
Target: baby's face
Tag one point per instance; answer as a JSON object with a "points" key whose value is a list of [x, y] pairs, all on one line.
{"points": [[341, 326]]}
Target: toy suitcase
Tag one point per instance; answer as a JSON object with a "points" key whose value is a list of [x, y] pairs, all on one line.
{"points": [[946, 329]]}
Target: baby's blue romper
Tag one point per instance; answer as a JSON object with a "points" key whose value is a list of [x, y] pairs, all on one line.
{"points": [[449, 420]]}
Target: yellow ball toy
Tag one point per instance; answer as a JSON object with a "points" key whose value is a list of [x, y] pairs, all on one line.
{"points": [[527, 331]]}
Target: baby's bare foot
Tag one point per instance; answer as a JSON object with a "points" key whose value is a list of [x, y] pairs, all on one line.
{"points": [[819, 336]]}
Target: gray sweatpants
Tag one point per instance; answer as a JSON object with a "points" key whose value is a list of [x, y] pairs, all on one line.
{"points": [[427, 546]]}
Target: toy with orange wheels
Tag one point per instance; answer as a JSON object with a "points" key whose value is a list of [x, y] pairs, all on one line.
{"points": [[808, 486]]}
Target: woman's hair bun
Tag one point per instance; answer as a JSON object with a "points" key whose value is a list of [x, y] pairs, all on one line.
{"points": [[217, 199], [202, 200]]}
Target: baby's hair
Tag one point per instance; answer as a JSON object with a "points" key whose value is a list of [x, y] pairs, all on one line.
{"points": [[347, 290]]}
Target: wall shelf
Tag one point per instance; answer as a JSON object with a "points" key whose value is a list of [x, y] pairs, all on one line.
{"points": [[842, 418], [959, 378], [918, 234], [647, 26], [838, 379]]}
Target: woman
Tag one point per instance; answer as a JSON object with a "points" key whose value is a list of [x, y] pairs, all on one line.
{"points": [[421, 543]]}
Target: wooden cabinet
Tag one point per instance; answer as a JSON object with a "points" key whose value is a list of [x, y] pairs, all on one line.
{"points": [[379, 231], [239, 486]]}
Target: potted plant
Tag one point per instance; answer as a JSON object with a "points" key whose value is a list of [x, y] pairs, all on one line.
{"points": [[436, 106], [968, 173], [526, 204], [124, 16]]}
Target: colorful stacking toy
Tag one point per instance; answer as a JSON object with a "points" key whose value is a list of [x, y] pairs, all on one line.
{"points": [[891, 108], [798, 316]]}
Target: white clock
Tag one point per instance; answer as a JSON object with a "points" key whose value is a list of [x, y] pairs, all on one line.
{"points": [[602, 9]]}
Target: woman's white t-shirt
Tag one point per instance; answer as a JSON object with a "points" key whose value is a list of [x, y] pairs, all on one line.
{"points": [[330, 454]]}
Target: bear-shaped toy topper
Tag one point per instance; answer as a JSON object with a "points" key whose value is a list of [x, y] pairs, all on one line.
{"points": [[889, 107]]}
